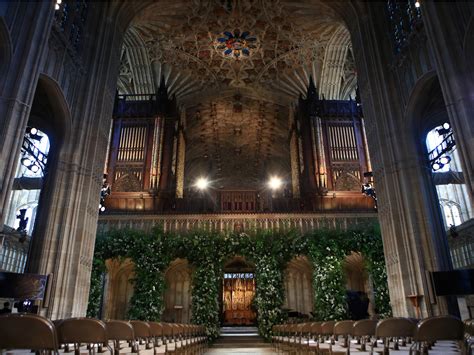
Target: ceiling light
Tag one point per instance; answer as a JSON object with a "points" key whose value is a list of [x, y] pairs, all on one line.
{"points": [[446, 125], [437, 166], [275, 183], [417, 4], [202, 183]]}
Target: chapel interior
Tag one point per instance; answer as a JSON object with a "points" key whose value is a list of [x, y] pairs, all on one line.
{"points": [[226, 168]]}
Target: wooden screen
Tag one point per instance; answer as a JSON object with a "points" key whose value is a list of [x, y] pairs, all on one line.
{"points": [[343, 155], [238, 201], [238, 294], [131, 155]]}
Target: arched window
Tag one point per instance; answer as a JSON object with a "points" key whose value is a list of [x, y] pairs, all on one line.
{"points": [[28, 180], [447, 175]]}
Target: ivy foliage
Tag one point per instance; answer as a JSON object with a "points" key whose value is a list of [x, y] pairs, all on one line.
{"points": [[269, 251]]}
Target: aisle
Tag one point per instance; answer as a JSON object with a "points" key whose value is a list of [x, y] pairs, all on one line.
{"points": [[240, 340]]}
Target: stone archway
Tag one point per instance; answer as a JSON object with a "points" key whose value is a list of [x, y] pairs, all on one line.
{"points": [[118, 288], [359, 288], [177, 296], [238, 292], [298, 287]]}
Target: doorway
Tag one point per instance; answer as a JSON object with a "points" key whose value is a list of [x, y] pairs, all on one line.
{"points": [[238, 292]]}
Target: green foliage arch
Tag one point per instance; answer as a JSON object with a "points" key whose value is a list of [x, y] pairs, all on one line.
{"points": [[269, 251]]}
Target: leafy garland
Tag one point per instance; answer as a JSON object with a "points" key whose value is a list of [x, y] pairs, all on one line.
{"points": [[269, 251]]}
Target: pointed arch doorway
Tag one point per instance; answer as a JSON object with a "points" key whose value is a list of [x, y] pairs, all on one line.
{"points": [[238, 292]]}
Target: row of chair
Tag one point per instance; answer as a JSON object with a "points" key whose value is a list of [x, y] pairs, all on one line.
{"points": [[382, 336], [33, 332]]}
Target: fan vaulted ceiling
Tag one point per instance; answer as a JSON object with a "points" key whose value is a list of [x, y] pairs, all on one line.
{"points": [[259, 55], [180, 41]]}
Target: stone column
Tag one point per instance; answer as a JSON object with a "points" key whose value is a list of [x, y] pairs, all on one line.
{"points": [[25, 28], [450, 31], [414, 239]]}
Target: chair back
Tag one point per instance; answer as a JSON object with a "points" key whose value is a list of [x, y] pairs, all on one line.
{"points": [[395, 327], [316, 328], [156, 329], [440, 328], [306, 328], [365, 327], [27, 331], [327, 328], [343, 327], [119, 330], [81, 330], [167, 329], [141, 329]]}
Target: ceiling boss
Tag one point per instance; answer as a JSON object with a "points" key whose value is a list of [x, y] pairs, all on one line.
{"points": [[236, 45]]}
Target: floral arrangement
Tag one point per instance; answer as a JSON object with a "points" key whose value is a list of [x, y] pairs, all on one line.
{"points": [[269, 251]]}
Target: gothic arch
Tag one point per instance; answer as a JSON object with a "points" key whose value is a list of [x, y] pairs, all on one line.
{"points": [[358, 284], [61, 120], [298, 279], [5, 50], [118, 289], [177, 296], [425, 105]]}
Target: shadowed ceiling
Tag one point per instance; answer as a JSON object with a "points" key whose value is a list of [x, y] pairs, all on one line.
{"points": [[288, 42]]}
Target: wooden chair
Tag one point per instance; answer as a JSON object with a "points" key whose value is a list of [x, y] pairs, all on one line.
{"points": [[315, 335], [168, 337], [28, 331], [77, 331], [327, 331], [365, 330], [117, 331], [396, 329], [341, 329], [433, 329], [142, 333], [156, 334]]}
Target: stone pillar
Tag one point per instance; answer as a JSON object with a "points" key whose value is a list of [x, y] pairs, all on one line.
{"points": [[453, 53], [414, 239], [24, 42]]}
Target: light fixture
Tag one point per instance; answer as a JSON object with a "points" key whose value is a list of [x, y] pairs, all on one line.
{"points": [[417, 4], [436, 166], [445, 160], [26, 162], [275, 183], [202, 183], [34, 168], [33, 130], [445, 129]]}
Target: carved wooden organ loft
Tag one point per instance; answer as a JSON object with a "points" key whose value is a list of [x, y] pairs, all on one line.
{"points": [[146, 164]]}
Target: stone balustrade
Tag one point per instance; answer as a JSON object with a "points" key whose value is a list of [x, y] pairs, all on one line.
{"points": [[461, 245], [303, 222], [13, 250]]}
